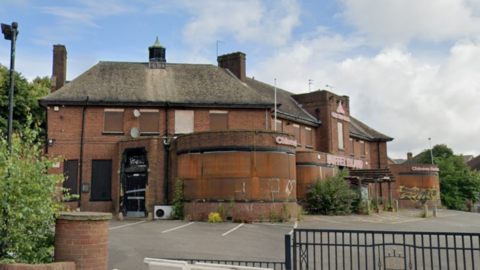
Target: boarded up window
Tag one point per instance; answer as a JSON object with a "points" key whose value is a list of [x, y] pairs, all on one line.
{"points": [[308, 137], [362, 148], [113, 120], [296, 132], [101, 180], [351, 146], [218, 120], [184, 121], [279, 126], [70, 171], [341, 146], [149, 122]]}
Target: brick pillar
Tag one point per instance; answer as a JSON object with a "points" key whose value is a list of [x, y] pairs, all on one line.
{"points": [[82, 237]]}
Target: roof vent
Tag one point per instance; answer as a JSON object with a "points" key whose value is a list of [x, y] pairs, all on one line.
{"points": [[157, 55]]}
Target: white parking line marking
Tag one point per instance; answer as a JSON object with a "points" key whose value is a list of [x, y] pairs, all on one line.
{"points": [[329, 220], [232, 230], [113, 228], [294, 227], [179, 227]]}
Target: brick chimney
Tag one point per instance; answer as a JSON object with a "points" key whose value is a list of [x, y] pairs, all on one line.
{"points": [[235, 62], [409, 156], [59, 74]]}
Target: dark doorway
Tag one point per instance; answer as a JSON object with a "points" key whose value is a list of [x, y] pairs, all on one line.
{"points": [[134, 182], [135, 193], [101, 180], [70, 171]]}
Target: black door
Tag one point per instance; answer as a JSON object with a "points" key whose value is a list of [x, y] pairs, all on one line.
{"points": [[135, 194], [70, 171]]}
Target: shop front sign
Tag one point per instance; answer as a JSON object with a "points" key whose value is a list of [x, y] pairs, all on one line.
{"points": [[345, 161], [425, 169], [286, 141]]}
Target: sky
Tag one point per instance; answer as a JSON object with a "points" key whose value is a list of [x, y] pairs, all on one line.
{"points": [[411, 68]]}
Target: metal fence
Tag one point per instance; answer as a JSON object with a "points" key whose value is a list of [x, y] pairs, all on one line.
{"points": [[272, 265], [346, 249]]}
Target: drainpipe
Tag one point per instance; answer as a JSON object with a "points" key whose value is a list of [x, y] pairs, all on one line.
{"points": [[81, 153], [46, 130], [166, 145], [378, 152]]}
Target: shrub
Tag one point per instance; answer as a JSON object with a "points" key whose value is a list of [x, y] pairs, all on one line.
{"points": [[29, 199], [177, 208], [214, 218], [225, 212], [273, 215], [332, 196]]}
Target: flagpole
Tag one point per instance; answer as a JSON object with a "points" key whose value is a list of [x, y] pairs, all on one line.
{"points": [[275, 104]]}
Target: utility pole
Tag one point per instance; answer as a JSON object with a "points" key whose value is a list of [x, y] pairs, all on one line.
{"points": [[431, 152]]}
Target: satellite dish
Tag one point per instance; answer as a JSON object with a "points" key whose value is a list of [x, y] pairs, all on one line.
{"points": [[136, 113], [134, 132]]}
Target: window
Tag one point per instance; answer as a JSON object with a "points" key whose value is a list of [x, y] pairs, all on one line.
{"points": [[296, 132], [113, 121], [341, 146], [308, 137], [183, 121], [218, 120], [352, 152], [70, 171], [279, 126], [149, 122], [362, 148], [101, 180]]}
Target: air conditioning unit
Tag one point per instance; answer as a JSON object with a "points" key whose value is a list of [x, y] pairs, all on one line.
{"points": [[162, 211]]}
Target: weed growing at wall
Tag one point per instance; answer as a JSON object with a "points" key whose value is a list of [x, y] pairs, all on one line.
{"points": [[214, 218], [285, 211], [332, 196], [29, 198], [225, 212], [178, 197], [273, 215]]}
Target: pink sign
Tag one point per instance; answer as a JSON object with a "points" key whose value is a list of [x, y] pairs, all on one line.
{"points": [[286, 141], [340, 116], [425, 169], [345, 161]]}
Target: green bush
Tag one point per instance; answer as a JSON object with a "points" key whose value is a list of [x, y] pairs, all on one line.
{"points": [[29, 199], [214, 218], [178, 196], [332, 196]]}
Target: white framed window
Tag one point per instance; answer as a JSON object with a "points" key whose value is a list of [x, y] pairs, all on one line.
{"points": [[149, 121], [113, 121], [352, 148], [308, 137], [296, 132], [218, 120], [184, 121], [362, 148], [279, 125], [341, 145]]}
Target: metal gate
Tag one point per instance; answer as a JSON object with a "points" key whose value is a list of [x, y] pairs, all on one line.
{"points": [[346, 249]]}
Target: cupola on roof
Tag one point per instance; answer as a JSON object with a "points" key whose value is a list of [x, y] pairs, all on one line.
{"points": [[157, 55]]}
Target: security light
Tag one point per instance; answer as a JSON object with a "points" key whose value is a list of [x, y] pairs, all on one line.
{"points": [[7, 30]]}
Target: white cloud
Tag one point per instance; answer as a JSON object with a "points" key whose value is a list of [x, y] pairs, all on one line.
{"points": [[392, 91], [389, 22], [245, 21]]}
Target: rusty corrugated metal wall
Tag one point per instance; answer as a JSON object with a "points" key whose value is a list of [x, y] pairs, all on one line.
{"points": [[243, 175], [308, 174]]}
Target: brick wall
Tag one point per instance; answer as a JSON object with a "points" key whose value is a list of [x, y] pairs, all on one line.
{"points": [[49, 266]]}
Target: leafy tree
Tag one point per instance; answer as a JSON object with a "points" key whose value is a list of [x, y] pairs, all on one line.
{"points": [[332, 196], [25, 100], [29, 198], [458, 183], [439, 150]]}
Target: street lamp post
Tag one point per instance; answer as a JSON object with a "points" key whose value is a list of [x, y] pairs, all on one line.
{"points": [[10, 32], [431, 152]]}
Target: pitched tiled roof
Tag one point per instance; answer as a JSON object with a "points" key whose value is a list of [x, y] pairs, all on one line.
{"points": [[135, 83], [288, 107], [359, 129]]}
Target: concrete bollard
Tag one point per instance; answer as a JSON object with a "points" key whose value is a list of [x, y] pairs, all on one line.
{"points": [[425, 209], [82, 237], [396, 205], [434, 210], [366, 207]]}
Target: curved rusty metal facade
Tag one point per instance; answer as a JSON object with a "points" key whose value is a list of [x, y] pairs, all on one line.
{"points": [[310, 167], [248, 166]]}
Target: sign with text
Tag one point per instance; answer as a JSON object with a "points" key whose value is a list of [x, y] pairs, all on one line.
{"points": [[286, 141], [425, 169], [340, 116], [344, 161]]}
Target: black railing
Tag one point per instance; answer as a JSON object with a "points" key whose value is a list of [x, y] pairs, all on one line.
{"points": [[271, 265], [345, 249]]}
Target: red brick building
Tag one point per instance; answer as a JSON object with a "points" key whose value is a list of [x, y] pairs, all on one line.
{"points": [[129, 130]]}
